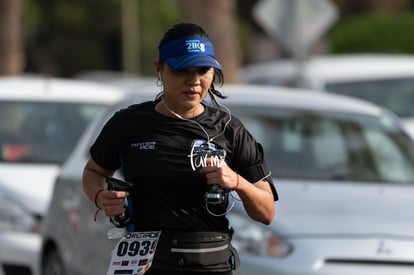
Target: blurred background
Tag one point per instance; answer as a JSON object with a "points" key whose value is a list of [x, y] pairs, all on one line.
{"points": [[65, 37], [342, 210]]}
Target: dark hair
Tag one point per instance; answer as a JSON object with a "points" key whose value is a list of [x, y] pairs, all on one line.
{"points": [[190, 29]]}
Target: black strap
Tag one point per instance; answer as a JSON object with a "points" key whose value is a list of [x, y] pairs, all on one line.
{"points": [[196, 251]]}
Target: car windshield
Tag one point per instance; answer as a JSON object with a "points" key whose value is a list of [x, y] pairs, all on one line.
{"points": [[331, 146], [42, 132], [395, 94]]}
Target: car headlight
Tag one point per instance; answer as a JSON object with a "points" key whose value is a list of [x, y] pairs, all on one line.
{"points": [[13, 217], [253, 238]]}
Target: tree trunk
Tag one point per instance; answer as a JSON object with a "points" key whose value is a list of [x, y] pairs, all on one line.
{"points": [[218, 19], [11, 46]]}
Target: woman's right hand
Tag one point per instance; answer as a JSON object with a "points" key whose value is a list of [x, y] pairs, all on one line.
{"points": [[112, 203]]}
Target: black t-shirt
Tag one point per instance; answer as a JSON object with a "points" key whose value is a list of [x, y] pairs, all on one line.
{"points": [[160, 156]]}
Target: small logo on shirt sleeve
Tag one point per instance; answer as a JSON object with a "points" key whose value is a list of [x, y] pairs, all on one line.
{"points": [[146, 145]]}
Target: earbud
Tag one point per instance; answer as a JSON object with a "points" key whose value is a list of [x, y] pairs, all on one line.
{"points": [[159, 80]]}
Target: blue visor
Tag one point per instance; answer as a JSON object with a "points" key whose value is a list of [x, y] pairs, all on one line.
{"points": [[189, 51]]}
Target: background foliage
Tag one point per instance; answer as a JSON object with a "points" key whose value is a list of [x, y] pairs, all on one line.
{"points": [[374, 32], [64, 37], [67, 36]]}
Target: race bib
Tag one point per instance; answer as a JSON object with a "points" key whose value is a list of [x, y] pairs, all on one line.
{"points": [[133, 254]]}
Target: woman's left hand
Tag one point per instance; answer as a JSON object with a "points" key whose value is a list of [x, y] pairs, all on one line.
{"points": [[222, 175]]}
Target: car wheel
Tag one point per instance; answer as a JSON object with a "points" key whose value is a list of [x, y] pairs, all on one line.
{"points": [[53, 264]]}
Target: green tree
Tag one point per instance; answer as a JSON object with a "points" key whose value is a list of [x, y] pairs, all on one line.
{"points": [[69, 36], [374, 32]]}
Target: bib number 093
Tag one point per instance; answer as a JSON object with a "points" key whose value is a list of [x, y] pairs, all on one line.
{"points": [[134, 248]]}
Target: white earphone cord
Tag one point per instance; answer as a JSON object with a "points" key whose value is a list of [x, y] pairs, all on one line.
{"points": [[198, 124]]}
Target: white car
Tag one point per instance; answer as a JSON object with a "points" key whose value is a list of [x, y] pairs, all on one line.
{"points": [[41, 120], [385, 79], [344, 171]]}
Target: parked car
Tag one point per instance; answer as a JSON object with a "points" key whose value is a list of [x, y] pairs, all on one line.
{"points": [[385, 79], [41, 120], [129, 82], [344, 170]]}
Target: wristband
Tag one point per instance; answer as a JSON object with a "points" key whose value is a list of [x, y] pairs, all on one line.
{"points": [[96, 198]]}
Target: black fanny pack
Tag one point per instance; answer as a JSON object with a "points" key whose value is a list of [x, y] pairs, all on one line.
{"points": [[196, 251]]}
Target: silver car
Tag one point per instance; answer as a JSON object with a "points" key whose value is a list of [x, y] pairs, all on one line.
{"points": [[41, 119], [344, 170], [385, 79]]}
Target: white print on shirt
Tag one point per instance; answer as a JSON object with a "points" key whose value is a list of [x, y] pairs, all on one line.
{"points": [[146, 145], [201, 150]]}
